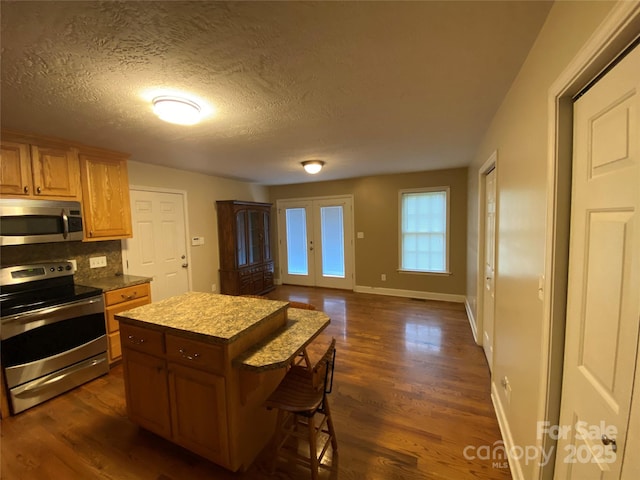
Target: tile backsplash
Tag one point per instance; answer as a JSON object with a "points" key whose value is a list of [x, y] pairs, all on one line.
{"points": [[78, 251]]}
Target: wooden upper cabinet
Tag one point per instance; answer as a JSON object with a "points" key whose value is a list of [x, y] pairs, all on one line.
{"points": [[105, 196], [15, 169], [35, 166], [39, 171], [56, 172]]}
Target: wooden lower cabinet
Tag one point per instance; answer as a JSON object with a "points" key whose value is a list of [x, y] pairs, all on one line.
{"points": [[189, 392], [147, 391], [117, 301], [183, 403], [198, 412]]}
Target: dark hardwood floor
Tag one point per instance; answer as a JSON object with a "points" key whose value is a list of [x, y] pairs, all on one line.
{"points": [[411, 396]]}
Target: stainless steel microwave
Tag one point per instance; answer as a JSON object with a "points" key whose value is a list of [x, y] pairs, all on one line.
{"points": [[24, 221]]}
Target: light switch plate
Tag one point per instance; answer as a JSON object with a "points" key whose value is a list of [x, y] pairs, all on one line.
{"points": [[197, 241]]}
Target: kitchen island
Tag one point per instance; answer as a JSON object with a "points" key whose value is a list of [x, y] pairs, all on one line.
{"points": [[199, 366]]}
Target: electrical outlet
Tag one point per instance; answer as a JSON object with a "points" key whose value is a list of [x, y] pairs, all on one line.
{"points": [[98, 262], [214, 287], [383, 277]]}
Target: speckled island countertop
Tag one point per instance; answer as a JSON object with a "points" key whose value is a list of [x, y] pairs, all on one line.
{"points": [[277, 350], [115, 282], [216, 318], [223, 319]]}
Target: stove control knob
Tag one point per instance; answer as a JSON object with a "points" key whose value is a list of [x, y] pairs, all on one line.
{"points": [[68, 267], [52, 269], [60, 268]]}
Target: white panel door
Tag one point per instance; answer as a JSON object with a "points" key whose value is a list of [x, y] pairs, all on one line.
{"points": [[316, 242], [603, 305], [488, 299], [158, 248]]}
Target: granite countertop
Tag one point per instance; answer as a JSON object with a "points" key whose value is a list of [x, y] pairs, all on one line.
{"points": [[217, 318], [277, 350], [115, 282]]}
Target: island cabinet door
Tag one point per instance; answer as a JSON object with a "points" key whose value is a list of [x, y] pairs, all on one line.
{"points": [[147, 391], [198, 412]]}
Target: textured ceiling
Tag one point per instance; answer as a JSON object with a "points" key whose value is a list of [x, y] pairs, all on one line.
{"points": [[368, 87]]}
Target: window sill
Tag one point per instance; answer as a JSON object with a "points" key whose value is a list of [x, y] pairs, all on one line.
{"points": [[416, 272]]}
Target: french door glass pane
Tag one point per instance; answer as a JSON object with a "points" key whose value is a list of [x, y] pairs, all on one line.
{"points": [[296, 221], [332, 241]]}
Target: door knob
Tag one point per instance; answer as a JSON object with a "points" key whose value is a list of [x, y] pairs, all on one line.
{"points": [[610, 441]]}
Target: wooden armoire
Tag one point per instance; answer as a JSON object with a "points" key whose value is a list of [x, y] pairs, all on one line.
{"points": [[246, 263]]}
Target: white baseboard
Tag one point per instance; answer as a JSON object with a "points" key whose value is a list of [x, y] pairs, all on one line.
{"points": [[505, 431], [393, 292], [472, 320]]}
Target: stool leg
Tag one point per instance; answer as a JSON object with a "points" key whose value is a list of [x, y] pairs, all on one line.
{"points": [[332, 432], [277, 438], [313, 448]]}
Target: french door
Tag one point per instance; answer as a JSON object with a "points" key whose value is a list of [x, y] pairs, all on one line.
{"points": [[316, 242]]}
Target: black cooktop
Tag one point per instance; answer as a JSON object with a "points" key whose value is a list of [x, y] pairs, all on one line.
{"points": [[40, 294]]}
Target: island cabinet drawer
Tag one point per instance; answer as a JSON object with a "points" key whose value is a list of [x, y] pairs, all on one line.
{"points": [[142, 339], [193, 353], [127, 294]]}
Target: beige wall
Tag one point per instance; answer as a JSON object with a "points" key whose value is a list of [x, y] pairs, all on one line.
{"points": [[202, 193], [519, 133], [376, 215]]}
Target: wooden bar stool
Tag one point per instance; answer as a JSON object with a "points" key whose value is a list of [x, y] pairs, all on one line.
{"points": [[301, 399]]}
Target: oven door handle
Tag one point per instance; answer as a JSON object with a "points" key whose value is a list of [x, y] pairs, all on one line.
{"points": [[23, 322], [63, 376]]}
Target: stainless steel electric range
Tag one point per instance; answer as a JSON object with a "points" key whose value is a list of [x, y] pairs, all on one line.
{"points": [[53, 335]]}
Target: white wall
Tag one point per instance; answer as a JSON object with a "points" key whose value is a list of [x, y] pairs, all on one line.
{"points": [[202, 193], [519, 133]]}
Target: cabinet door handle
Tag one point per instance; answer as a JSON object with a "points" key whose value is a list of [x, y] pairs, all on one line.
{"points": [[129, 297], [135, 340], [26, 189], [38, 190], [186, 355]]}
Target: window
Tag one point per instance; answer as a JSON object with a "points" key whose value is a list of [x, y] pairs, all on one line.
{"points": [[424, 236]]}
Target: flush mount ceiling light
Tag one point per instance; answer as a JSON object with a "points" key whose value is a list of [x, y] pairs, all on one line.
{"points": [[312, 166], [176, 110]]}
